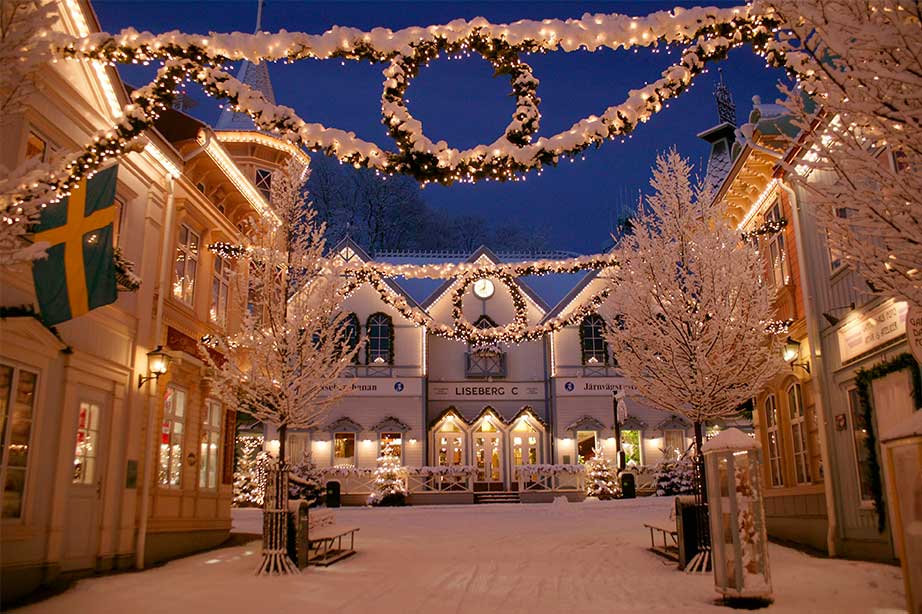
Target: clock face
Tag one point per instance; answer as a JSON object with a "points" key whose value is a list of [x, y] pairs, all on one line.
{"points": [[483, 288]]}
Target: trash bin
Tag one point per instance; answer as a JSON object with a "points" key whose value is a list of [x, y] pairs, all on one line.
{"points": [[332, 494], [628, 486], [687, 521]]}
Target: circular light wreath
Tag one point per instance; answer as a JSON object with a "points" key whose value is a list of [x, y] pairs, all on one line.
{"points": [[709, 32], [466, 330]]}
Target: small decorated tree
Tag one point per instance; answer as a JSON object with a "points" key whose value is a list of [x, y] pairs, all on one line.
{"points": [[305, 481], [389, 487], [601, 477], [250, 472]]}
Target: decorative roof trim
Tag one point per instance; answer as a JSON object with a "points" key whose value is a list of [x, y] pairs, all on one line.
{"points": [[390, 423], [344, 425], [586, 421]]}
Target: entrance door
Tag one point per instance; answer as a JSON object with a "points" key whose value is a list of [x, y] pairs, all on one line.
{"points": [[488, 455], [81, 539]]}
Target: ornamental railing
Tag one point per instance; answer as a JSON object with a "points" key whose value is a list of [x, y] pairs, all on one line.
{"points": [[550, 477], [359, 480]]}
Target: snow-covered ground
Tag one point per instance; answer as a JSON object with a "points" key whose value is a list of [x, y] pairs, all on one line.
{"points": [[588, 557]]}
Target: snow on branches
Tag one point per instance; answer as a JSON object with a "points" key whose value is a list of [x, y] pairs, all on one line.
{"points": [[293, 344], [865, 65], [688, 327]]}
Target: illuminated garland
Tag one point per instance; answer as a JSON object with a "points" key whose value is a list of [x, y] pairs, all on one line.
{"points": [[231, 251], [709, 32], [770, 227], [778, 327]]}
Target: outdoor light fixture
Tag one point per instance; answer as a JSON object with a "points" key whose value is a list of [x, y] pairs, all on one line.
{"points": [[790, 352], [158, 362], [833, 320]]}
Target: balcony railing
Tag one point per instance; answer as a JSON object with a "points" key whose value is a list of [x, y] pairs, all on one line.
{"points": [[485, 364]]}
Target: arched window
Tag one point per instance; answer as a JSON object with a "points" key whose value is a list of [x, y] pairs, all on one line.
{"points": [[349, 336], [379, 349], [592, 340], [774, 440], [799, 434]]}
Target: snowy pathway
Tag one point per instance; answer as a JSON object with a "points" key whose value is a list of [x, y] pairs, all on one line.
{"points": [[493, 559]]}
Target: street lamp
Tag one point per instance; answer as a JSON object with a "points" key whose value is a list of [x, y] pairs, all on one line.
{"points": [[158, 362], [620, 411], [790, 352]]}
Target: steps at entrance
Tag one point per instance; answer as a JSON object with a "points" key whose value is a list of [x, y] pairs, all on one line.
{"points": [[496, 497]]}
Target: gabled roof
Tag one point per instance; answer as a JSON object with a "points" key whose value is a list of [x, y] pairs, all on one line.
{"points": [[571, 295], [361, 254], [484, 251]]}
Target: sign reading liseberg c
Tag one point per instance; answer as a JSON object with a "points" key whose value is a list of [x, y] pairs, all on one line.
{"points": [[592, 386], [379, 386], [871, 329], [486, 391]]}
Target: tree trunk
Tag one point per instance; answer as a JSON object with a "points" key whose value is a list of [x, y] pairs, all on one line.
{"points": [[283, 435]]}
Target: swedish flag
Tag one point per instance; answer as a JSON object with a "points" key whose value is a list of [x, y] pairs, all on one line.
{"points": [[79, 274]]}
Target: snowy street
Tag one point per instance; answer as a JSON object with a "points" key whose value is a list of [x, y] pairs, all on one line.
{"points": [[588, 557]]}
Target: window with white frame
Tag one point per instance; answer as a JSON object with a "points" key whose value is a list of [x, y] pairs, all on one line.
{"points": [[585, 446], [220, 288], [264, 182], [210, 443], [674, 443], [799, 434], [343, 449], [37, 147], [630, 444], [395, 441], [593, 345], [449, 443], [380, 343], [87, 446], [836, 256], [780, 271], [18, 388], [860, 440], [774, 440], [171, 437], [186, 264]]}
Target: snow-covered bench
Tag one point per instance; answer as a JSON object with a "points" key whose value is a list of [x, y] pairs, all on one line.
{"points": [[666, 529], [325, 538]]}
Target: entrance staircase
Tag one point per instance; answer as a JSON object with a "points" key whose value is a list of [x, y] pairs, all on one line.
{"points": [[496, 497]]}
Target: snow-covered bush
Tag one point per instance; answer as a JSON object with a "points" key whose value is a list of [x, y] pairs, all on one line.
{"points": [[305, 481], [674, 476]]}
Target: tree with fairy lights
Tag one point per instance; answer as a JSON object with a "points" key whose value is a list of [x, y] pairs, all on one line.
{"points": [[861, 171], [601, 477], [689, 325], [389, 487], [293, 345], [250, 472]]}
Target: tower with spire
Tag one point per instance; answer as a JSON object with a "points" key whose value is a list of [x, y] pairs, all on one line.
{"points": [[258, 153], [721, 137]]}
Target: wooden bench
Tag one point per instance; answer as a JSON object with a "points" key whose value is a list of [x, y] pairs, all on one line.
{"points": [[670, 536], [325, 539]]}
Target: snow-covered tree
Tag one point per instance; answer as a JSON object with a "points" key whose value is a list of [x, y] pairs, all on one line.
{"points": [[601, 477], [22, 53], [689, 325], [305, 480], [389, 487], [293, 344], [250, 471], [282, 366], [674, 475], [865, 57]]}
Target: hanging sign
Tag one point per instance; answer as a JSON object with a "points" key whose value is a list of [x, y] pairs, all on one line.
{"points": [[486, 391], [914, 331], [871, 329], [592, 386]]}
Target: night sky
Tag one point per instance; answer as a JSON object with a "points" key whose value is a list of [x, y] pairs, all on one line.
{"points": [[463, 104]]}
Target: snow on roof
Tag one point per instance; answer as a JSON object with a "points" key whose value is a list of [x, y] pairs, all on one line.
{"points": [[730, 439], [257, 77]]}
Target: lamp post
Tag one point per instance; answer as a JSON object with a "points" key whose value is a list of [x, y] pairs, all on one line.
{"points": [[619, 409]]}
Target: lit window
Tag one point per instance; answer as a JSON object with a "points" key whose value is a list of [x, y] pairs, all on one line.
{"points": [[799, 434], [674, 443], [36, 147], [778, 259], [524, 443], [860, 439], [264, 182], [585, 446], [344, 449], [380, 344], [630, 444], [774, 440], [87, 444], [395, 441], [171, 437], [449, 443], [211, 438], [220, 288], [17, 403], [186, 265], [592, 340]]}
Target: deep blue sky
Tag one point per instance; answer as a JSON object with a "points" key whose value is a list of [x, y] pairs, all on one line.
{"points": [[462, 103]]}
